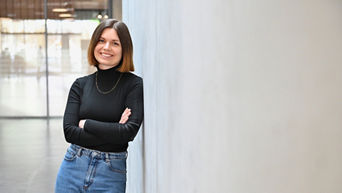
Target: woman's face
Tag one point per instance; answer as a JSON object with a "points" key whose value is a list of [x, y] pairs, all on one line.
{"points": [[108, 50]]}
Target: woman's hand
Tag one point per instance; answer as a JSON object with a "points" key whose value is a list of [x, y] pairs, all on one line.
{"points": [[125, 115], [81, 123]]}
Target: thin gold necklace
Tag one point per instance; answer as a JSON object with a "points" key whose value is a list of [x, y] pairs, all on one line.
{"points": [[106, 92]]}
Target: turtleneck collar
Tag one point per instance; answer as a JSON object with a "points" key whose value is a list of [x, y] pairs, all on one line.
{"points": [[107, 78], [109, 71]]}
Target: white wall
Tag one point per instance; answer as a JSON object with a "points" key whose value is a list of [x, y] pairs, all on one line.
{"points": [[240, 96]]}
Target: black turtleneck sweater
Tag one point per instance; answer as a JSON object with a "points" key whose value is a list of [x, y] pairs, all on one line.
{"points": [[102, 130]]}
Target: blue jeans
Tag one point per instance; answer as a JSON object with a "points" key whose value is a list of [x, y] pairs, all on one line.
{"points": [[84, 170]]}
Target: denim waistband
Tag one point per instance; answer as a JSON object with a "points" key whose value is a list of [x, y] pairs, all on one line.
{"points": [[104, 155]]}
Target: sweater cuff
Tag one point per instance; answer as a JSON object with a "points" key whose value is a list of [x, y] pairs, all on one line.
{"points": [[85, 125]]}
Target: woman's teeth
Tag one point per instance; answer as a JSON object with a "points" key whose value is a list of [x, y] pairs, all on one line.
{"points": [[106, 55]]}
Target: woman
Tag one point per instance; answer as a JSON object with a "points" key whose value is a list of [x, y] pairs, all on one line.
{"points": [[103, 113]]}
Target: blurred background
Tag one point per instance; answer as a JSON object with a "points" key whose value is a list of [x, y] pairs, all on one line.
{"points": [[239, 96], [35, 48]]}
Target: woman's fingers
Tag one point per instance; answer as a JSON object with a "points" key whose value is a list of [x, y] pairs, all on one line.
{"points": [[125, 115], [127, 111], [124, 119]]}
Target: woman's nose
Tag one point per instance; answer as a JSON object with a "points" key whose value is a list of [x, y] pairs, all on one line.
{"points": [[107, 46]]}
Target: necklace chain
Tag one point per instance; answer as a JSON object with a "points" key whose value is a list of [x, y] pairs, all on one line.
{"points": [[109, 91]]}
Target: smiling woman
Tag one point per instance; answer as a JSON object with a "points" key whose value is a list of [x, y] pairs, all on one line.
{"points": [[103, 113]]}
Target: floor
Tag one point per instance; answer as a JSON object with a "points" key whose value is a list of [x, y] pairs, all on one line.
{"points": [[31, 151]]}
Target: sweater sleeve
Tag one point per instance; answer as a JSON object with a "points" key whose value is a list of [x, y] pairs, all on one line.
{"points": [[117, 133], [73, 133]]}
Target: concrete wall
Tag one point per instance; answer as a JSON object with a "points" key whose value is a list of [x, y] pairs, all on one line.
{"points": [[240, 96]]}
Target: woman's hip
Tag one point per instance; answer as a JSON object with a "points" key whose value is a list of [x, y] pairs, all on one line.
{"points": [[89, 170]]}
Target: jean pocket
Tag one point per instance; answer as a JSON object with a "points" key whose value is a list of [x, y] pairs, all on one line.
{"points": [[117, 165], [70, 154]]}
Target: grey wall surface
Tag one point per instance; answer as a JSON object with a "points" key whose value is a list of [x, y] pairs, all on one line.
{"points": [[240, 96]]}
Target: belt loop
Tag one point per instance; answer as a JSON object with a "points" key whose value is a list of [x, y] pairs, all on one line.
{"points": [[107, 157], [79, 152]]}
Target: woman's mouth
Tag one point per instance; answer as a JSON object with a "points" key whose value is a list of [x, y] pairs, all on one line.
{"points": [[105, 55]]}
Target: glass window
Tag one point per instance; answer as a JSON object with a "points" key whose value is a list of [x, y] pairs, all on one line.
{"points": [[24, 57]]}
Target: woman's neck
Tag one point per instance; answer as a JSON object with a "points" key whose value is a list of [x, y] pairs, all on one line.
{"points": [[106, 67]]}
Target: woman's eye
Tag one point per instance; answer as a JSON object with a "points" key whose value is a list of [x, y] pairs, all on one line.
{"points": [[101, 41]]}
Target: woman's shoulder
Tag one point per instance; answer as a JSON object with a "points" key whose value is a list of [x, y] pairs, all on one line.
{"points": [[83, 79], [133, 77]]}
